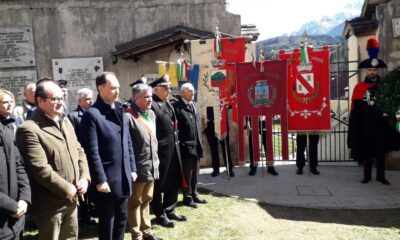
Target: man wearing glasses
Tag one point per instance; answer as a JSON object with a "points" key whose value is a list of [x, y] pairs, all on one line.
{"points": [[55, 162]]}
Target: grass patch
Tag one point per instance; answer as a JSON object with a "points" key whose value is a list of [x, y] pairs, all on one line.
{"points": [[234, 218]]}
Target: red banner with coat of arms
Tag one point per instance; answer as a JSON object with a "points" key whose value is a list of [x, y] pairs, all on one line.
{"points": [[308, 89], [262, 94], [223, 77]]}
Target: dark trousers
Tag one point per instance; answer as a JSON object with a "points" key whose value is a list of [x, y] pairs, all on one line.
{"points": [[112, 216], [301, 142], [262, 129], [375, 149], [380, 167], [163, 202], [87, 207], [190, 169], [226, 151], [264, 145]]}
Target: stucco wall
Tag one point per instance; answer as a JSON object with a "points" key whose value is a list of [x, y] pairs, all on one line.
{"points": [[88, 28]]}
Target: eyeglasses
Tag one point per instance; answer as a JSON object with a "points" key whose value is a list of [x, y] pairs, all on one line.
{"points": [[55, 99]]}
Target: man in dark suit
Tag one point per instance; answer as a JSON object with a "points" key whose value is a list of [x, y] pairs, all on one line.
{"points": [[84, 97], [213, 142], [190, 143], [55, 162], [168, 152], [105, 137]]}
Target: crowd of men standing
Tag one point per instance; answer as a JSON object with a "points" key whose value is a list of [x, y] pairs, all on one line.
{"points": [[120, 161], [110, 159]]}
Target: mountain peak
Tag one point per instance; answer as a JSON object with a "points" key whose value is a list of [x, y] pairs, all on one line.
{"points": [[331, 25]]}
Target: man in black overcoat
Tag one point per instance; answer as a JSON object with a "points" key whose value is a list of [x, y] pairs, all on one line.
{"points": [[171, 178], [368, 128], [189, 143]]}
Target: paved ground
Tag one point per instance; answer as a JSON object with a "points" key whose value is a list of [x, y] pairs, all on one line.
{"points": [[336, 187]]}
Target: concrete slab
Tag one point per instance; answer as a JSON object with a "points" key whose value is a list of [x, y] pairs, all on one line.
{"points": [[335, 187]]}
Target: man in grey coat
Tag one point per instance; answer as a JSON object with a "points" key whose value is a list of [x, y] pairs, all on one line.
{"points": [[142, 128]]}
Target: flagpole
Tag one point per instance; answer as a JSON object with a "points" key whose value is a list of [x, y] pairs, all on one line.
{"points": [[308, 148], [228, 169], [262, 146]]}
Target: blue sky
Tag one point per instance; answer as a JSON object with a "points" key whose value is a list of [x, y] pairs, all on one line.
{"points": [[274, 18]]}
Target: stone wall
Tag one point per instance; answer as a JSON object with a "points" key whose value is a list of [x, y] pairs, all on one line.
{"points": [[92, 28], [390, 46], [390, 53]]}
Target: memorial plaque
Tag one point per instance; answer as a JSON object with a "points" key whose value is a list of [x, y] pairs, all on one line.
{"points": [[396, 27], [79, 72], [16, 47], [16, 81]]}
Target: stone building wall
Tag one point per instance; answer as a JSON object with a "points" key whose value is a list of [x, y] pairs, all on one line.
{"points": [[390, 46], [92, 28], [390, 53]]}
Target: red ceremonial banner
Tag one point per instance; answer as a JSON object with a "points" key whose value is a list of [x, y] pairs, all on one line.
{"points": [[233, 49], [223, 77], [262, 94], [308, 90]]}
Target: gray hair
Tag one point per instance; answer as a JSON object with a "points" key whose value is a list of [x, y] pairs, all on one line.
{"points": [[187, 85], [137, 89], [29, 86], [83, 92]]}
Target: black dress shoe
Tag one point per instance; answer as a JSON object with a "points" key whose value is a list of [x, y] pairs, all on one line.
{"points": [[365, 180], [165, 222], [272, 171], [383, 181], [190, 203], [176, 217], [231, 173], [253, 171], [314, 171], [198, 200], [151, 237], [214, 174], [299, 171]]}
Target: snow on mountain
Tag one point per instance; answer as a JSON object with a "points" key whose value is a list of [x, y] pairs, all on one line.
{"points": [[331, 25]]}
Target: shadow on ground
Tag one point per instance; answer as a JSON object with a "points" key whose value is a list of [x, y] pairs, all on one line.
{"points": [[382, 218]]}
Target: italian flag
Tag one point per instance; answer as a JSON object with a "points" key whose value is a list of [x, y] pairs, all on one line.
{"points": [[217, 44], [304, 55], [261, 60], [182, 69]]}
